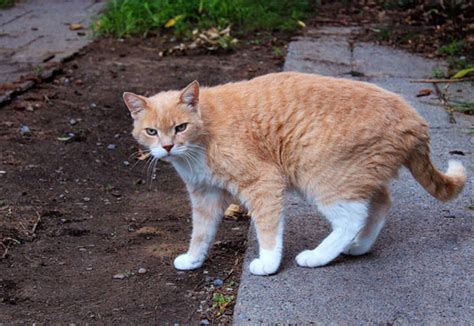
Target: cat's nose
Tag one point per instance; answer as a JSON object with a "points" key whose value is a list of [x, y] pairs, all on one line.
{"points": [[168, 147]]}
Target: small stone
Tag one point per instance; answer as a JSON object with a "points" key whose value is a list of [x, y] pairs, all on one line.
{"points": [[93, 105], [72, 122], [111, 146], [25, 130], [119, 276], [126, 163], [117, 136], [89, 268], [2, 172], [86, 199], [218, 282], [204, 322], [142, 270]]}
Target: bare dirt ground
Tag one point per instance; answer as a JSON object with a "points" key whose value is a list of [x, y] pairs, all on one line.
{"points": [[74, 213]]}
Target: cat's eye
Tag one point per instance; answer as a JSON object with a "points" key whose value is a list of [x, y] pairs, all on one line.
{"points": [[181, 127], [151, 131]]}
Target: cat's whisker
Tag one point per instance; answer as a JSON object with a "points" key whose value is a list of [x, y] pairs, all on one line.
{"points": [[186, 159], [150, 171]]}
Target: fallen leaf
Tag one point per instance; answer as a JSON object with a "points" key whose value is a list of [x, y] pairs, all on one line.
{"points": [[142, 155], [75, 27], [301, 23], [424, 92], [235, 212], [463, 73], [171, 22]]}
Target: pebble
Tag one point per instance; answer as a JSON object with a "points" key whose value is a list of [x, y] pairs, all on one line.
{"points": [[2, 172], [111, 146], [218, 282], [72, 122], [204, 322], [86, 199], [93, 105], [142, 270], [126, 163], [89, 268], [119, 276], [25, 130], [117, 136]]}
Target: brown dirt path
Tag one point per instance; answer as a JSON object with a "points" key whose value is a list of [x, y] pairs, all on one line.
{"points": [[98, 217]]}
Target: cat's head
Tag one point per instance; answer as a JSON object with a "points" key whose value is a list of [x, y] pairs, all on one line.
{"points": [[169, 123]]}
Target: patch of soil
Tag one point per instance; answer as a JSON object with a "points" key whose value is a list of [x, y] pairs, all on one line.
{"points": [[74, 213]]}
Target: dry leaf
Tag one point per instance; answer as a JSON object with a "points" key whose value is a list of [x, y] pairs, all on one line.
{"points": [[142, 155], [235, 212], [424, 92], [75, 27]]}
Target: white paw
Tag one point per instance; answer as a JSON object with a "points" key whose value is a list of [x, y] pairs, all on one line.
{"points": [[263, 267], [310, 258], [186, 262]]}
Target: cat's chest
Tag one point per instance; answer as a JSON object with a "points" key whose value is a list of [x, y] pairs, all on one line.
{"points": [[196, 172]]}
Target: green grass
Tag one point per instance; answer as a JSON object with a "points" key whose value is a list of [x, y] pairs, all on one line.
{"points": [[456, 47], [6, 3], [124, 18]]}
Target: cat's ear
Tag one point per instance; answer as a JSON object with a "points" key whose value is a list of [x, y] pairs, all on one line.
{"points": [[135, 103], [190, 95]]}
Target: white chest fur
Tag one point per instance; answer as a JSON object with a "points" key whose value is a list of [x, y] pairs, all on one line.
{"points": [[194, 170]]}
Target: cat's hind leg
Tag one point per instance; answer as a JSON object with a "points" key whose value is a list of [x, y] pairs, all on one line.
{"points": [[379, 206], [347, 219]]}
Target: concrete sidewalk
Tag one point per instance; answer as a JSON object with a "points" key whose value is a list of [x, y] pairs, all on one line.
{"points": [[35, 36], [420, 269]]}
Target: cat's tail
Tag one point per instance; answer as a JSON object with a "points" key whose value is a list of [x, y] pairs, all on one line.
{"points": [[443, 186]]}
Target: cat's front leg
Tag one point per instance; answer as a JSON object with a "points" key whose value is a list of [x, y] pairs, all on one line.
{"points": [[265, 203], [208, 208]]}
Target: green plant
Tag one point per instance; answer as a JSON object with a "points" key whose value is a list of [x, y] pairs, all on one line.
{"points": [[278, 52], [464, 107], [383, 33], [221, 301], [6, 3], [438, 73], [456, 47], [124, 18]]}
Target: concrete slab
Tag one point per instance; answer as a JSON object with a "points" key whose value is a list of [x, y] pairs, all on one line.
{"points": [[326, 55], [381, 61], [35, 37], [420, 269]]}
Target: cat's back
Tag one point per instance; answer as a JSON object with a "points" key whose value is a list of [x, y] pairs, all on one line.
{"points": [[306, 97]]}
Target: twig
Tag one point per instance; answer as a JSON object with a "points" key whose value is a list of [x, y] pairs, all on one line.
{"points": [[435, 81], [228, 275], [444, 98], [5, 252], [11, 239], [35, 226]]}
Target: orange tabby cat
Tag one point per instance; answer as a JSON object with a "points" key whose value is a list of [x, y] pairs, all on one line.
{"points": [[337, 142]]}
